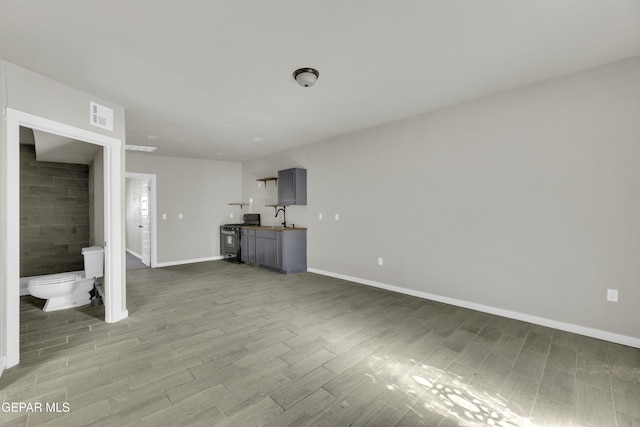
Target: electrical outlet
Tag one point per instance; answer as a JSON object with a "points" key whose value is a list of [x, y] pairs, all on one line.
{"points": [[164, 216], [380, 261], [179, 216], [230, 215], [612, 295], [320, 216], [337, 217]]}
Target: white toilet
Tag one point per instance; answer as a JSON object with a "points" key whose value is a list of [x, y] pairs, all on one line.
{"points": [[66, 290]]}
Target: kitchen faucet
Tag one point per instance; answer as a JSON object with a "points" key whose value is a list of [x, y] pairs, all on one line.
{"points": [[284, 216]]}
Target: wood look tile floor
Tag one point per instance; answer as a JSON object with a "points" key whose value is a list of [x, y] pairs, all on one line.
{"points": [[219, 344]]}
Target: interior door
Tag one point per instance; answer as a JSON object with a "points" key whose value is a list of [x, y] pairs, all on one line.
{"points": [[145, 222]]}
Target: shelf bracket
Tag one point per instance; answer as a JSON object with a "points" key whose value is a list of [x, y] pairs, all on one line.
{"points": [[241, 204], [267, 179], [275, 207]]}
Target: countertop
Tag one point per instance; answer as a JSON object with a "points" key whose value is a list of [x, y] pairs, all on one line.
{"points": [[272, 227]]}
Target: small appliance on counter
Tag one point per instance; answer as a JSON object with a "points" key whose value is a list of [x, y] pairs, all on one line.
{"points": [[230, 237]]}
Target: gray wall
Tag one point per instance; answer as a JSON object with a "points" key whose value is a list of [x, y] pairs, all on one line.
{"points": [[96, 202], [201, 191], [30, 92], [54, 215], [133, 216], [3, 224], [526, 201]]}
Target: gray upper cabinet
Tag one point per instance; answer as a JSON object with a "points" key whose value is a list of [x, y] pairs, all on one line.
{"points": [[292, 187]]}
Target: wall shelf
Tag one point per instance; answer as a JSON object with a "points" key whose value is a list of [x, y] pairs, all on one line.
{"points": [[275, 206], [241, 204], [267, 179]]}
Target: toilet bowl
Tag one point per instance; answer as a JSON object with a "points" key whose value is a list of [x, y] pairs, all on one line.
{"points": [[66, 290], [63, 290]]}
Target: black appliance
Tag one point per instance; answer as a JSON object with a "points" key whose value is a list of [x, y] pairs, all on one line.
{"points": [[230, 237]]}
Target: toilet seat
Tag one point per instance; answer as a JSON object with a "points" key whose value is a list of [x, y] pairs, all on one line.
{"points": [[61, 290], [53, 278]]}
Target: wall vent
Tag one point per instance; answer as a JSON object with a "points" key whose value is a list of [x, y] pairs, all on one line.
{"points": [[101, 116]]}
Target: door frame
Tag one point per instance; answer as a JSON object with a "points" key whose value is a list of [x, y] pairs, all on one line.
{"points": [[153, 207], [114, 288]]}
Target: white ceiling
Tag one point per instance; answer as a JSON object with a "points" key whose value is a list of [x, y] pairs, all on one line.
{"points": [[59, 149], [55, 148], [209, 76]]}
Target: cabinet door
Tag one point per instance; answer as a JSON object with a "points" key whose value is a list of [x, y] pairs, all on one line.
{"points": [[271, 253], [266, 252], [292, 187], [286, 187], [261, 250], [251, 249], [243, 247]]}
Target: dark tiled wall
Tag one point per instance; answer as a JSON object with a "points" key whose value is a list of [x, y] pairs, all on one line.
{"points": [[54, 215]]}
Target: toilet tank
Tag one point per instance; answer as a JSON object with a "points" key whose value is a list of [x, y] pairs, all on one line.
{"points": [[93, 261]]}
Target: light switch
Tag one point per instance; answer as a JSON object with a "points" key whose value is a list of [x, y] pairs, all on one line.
{"points": [[179, 216], [320, 216], [164, 216], [337, 217]]}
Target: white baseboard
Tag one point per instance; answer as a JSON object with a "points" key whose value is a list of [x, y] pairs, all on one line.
{"points": [[137, 255], [188, 261], [569, 327]]}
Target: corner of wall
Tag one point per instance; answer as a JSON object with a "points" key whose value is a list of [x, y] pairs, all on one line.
{"points": [[96, 200], [3, 211]]}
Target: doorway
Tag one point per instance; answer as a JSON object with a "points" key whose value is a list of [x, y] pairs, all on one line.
{"points": [[140, 220], [61, 203], [114, 283]]}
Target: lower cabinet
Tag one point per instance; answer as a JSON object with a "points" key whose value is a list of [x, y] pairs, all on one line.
{"points": [[267, 253], [248, 245], [282, 251]]}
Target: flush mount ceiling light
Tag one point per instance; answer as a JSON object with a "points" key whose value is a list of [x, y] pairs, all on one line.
{"points": [[306, 77]]}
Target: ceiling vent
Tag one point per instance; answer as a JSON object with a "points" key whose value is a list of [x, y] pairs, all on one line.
{"points": [[143, 148]]}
